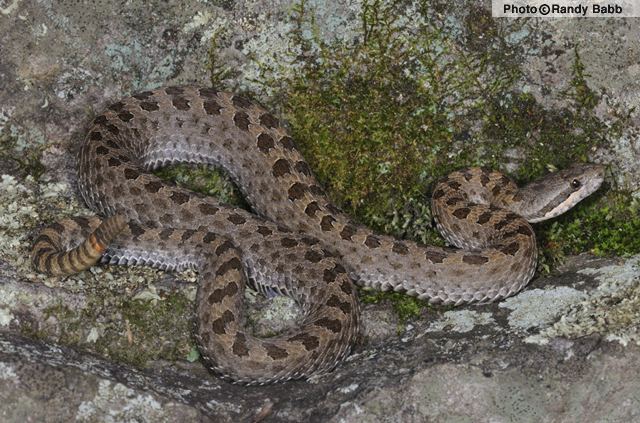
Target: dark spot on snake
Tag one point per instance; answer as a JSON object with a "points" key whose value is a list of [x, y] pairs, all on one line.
{"points": [[269, 121], [329, 275], [511, 249], [240, 345], [241, 119], [496, 190], [136, 230], [123, 158], [219, 294], [462, 213], [435, 256], [208, 92], [312, 208], [149, 106], [327, 222], [165, 234], [102, 150], [316, 190], [179, 197], [264, 231], [309, 241], [209, 237], [236, 219], [187, 234], [334, 325], [212, 107], [501, 224], [174, 90], [207, 209], [116, 107], [143, 95], [113, 129], [310, 342], [95, 136], [265, 142], [512, 216], [111, 143], [484, 218], [454, 184], [400, 248], [334, 301], [287, 142], [241, 102], [274, 352], [288, 242], [224, 247], [484, 180], [313, 256], [296, 191], [232, 264], [135, 191], [347, 232], [153, 186], [475, 259], [131, 173], [524, 230], [113, 161], [346, 286], [303, 168], [100, 120], [281, 167], [181, 103], [438, 193], [467, 175], [453, 201], [43, 238], [125, 116], [372, 242], [218, 325]]}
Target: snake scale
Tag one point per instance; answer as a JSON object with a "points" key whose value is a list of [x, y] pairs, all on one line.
{"points": [[296, 242]]}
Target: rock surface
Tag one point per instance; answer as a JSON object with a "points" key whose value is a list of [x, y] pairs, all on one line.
{"points": [[566, 349]]}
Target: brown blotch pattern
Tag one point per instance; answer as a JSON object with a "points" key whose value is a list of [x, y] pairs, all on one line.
{"points": [[400, 248], [265, 142], [232, 264], [207, 209], [313, 256], [327, 222], [211, 107], [287, 142], [347, 232], [475, 259], [372, 242], [236, 219], [312, 208], [462, 213], [275, 352], [296, 191], [511, 249], [269, 121], [241, 119], [435, 256], [281, 167], [334, 325], [181, 103], [179, 197]]}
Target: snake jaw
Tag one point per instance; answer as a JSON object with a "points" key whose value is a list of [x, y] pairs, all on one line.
{"points": [[564, 189]]}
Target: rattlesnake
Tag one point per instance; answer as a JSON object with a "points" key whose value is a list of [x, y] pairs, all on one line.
{"points": [[297, 243]]}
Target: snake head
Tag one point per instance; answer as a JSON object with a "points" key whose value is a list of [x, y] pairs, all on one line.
{"points": [[559, 191]]}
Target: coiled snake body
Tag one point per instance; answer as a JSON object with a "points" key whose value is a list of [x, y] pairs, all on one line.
{"points": [[298, 243]]}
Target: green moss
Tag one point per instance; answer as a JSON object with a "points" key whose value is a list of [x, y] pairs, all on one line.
{"points": [[405, 307], [607, 224], [129, 330], [26, 161], [205, 180]]}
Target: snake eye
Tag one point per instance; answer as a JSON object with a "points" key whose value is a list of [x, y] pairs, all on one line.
{"points": [[575, 184]]}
